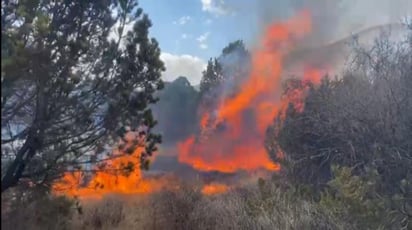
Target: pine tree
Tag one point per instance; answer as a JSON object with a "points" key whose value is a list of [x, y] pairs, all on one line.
{"points": [[75, 75]]}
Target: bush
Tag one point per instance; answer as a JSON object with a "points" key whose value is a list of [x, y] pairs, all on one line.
{"points": [[264, 207], [31, 210], [355, 198], [106, 214], [352, 144], [172, 209]]}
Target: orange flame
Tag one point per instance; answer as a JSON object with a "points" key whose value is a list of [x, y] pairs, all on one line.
{"points": [[237, 140], [204, 121], [110, 179], [237, 129], [214, 188]]}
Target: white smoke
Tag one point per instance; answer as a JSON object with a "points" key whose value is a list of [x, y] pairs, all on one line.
{"points": [[335, 19]]}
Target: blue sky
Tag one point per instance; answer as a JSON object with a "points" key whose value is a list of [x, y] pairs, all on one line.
{"points": [[197, 27], [192, 31]]}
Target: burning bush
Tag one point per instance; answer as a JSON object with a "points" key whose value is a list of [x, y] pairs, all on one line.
{"points": [[234, 128], [362, 122]]}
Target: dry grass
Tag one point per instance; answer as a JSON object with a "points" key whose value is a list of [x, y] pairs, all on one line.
{"points": [[21, 211], [251, 208]]}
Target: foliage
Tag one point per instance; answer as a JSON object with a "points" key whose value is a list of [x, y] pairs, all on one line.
{"points": [[359, 120], [74, 78], [107, 214], [356, 198], [224, 74], [212, 76], [352, 143], [218, 70], [33, 210], [186, 208]]}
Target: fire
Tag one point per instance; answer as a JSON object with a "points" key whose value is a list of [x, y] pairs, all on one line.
{"points": [[214, 188], [236, 142], [111, 178], [204, 120], [313, 75], [231, 136]]}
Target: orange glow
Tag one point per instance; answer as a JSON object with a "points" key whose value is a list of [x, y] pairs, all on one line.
{"points": [[204, 120], [237, 143], [313, 75], [110, 179], [231, 137], [214, 188]]}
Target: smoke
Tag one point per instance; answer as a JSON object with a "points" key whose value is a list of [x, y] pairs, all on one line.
{"points": [[335, 19], [235, 66], [250, 99], [232, 140]]}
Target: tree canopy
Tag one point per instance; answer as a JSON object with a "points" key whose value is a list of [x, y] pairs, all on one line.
{"points": [[76, 76], [224, 74]]}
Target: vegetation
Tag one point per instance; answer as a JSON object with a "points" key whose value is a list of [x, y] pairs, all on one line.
{"points": [[221, 73], [188, 209], [73, 80], [352, 144], [232, 63], [179, 104]]}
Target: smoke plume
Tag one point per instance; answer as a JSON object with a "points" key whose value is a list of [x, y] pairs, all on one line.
{"points": [[333, 20]]}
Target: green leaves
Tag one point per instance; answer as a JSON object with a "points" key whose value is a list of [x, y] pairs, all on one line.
{"points": [[61, 75], [42, 24], [124, 4], [359, 198], [212, 76]]}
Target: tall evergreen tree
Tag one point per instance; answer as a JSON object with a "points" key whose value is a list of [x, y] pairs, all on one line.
{"points": [[212, 76], [74, 79]]}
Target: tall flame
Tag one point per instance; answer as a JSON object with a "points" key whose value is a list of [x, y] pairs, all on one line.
{"points": [[236, 142], [231, 139]]}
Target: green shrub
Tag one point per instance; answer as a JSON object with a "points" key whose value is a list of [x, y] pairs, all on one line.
{"points": [[357, 199]]}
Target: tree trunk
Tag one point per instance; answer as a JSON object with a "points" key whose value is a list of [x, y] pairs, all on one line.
{"points": [[15, 170]]}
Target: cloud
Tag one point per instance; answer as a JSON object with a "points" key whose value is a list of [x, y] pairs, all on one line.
{"points": [[182, 20], [203, 46], [202, 39], [186, 36], [216, 7], [183, 65]]}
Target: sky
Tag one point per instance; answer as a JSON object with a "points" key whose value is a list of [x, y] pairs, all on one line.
{"points": [[192, 31]]}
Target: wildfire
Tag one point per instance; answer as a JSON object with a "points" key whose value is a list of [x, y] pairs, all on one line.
{"points": [[121, 175], [241, 121], [231, 136], [214, 188]]}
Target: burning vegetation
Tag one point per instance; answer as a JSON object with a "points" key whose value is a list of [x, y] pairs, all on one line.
{"points": [[120, 174], [214, 188], [261, 148], [231, 134]]}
